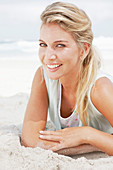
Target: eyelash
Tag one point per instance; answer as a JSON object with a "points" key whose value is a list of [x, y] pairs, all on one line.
{"points": [[42, 45], [58, 45]]}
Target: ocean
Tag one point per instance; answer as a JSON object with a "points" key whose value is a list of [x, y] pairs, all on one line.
{"points": [[29, 49]]}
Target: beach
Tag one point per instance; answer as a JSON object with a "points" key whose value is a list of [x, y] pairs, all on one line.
{"points": [[13, 156], [16, 75]]}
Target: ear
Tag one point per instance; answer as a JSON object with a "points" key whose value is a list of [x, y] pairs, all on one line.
{"points": [[84, 52], [87, 48]]}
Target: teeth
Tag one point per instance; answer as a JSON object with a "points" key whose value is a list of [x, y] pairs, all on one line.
{"points": [[53, 66]]}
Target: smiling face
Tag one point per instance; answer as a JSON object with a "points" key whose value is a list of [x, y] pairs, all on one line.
{"points": [[58, 52]]}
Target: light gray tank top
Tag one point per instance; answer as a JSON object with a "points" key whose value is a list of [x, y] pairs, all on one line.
{"points": [[96, 119]]}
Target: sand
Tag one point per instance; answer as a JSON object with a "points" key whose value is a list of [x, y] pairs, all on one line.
{"points": [[13, 156]]}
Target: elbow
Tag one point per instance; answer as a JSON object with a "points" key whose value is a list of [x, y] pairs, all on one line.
{"points": [[110, 154], [27, 143], [23, 143]]}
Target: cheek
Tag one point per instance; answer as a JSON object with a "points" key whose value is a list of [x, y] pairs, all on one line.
{"points": [[70, 55], [64, 55]]}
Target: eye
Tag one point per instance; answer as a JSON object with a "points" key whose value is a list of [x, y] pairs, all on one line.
{"points": [[42, 45], [60, 45]]}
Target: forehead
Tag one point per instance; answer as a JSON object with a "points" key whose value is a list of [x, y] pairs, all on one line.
{"points": [[54, 31]]}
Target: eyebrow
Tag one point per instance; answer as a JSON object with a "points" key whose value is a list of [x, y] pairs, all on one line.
{"points": [[57, 41]]}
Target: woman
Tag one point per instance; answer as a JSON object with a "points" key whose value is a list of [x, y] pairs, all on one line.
{"points": [[69, 84]]}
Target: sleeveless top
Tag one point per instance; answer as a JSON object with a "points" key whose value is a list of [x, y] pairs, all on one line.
{"points": [[72, 120], [96, 119]]}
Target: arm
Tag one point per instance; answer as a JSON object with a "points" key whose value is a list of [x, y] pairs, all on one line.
{"points": [[36, 113], [81, 149], [102, 98]]}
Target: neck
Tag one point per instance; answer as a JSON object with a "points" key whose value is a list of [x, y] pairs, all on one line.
{"points": [[70, 82]]}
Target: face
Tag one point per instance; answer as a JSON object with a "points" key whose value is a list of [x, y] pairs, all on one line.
{"points": [[58, 52]]}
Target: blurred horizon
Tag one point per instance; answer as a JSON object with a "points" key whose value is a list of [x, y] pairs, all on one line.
{"points": [[24, 49]]}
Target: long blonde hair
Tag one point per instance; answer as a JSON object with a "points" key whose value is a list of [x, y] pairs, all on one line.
{"points": [[76, 22]]}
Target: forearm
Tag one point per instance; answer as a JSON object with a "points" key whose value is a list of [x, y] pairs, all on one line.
{"points": [[30, 135], [99, 139], [85, 148]]}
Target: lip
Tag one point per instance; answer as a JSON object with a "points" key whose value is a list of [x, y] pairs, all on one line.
{"points": [[53, 69], [53, 63]]}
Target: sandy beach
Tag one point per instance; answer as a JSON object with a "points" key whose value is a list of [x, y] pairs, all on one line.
{"points": [[13, 156], [19, 45], [16, 78]]}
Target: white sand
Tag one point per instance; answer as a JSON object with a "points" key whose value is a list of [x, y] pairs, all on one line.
{"points": [[16, 75], [13, 156]]}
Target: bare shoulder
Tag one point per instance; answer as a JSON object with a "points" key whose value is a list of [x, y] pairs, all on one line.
{"points": [[39, 75], [102, 87], [39, 95], [38, 80], [38, 102], [102, 97]]}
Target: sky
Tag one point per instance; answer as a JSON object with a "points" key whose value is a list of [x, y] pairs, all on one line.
{"points": [[20, 19]]}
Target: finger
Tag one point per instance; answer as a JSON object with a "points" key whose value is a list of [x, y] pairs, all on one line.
{"points": [[51, 137], [50, 132]]}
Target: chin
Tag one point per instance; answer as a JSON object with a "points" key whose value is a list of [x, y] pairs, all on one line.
{"points": [[53, 77]]}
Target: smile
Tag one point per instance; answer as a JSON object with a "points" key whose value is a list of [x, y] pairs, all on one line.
{"points": [[53, 66]]}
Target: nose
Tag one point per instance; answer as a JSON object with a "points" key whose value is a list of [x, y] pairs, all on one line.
{"points": [[50, 54]]}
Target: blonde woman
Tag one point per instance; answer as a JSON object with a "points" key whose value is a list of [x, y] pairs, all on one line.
{"points": [[69, 87]]}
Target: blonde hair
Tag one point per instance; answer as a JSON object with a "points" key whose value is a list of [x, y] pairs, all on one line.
{"points": [[76, 22]]}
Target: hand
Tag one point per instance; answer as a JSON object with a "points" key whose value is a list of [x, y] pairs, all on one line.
{"points": [[65, 138]]}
